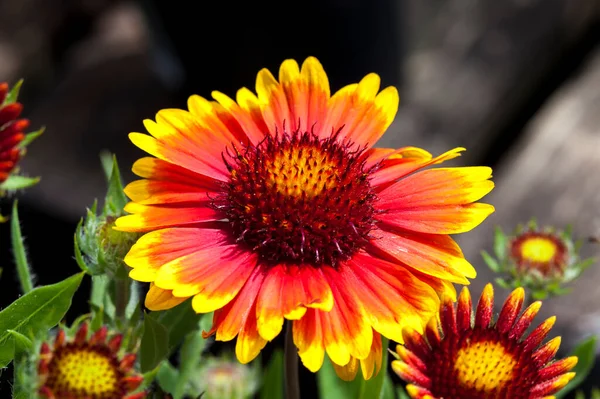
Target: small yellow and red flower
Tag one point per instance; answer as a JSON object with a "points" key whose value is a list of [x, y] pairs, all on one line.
{"points": [[87, 368], [277, 206], [540, 259], [460, 358]]}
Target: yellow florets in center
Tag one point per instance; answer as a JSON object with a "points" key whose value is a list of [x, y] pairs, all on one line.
{"points": [[84, 372], [538, 249], [299, 198], [302, 171], [485, 366]]}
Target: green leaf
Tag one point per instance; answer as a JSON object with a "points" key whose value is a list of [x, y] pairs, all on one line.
{"points": [[388, 389], [155, 344], [115, 199], [19, 251], [332, 387], [401, 392], [372, 388], [29, 137], [37, 311], [78, 255], [586, 355], [189, 357], [167, 377], [22, 343], [16, 182], [272, 386], [13, 94], [500, 243], [178, 321], [491, 262]]}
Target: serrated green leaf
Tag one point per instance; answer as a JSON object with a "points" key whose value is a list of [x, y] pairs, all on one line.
{"points": [[115, 199], [154, 347], [16, 182], [491, 262], [272, 381], [586, 355], [167, 377], [13, 94], [19, 254], [500, 243], [37, 311], [29, 137]]}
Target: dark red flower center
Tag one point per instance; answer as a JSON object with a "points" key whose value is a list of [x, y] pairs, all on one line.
{"points": [[298, 198], [481, 363]]}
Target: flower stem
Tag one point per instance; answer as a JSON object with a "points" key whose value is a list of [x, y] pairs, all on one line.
{"points": [[18, 246], [292, 383], [122, 288]]}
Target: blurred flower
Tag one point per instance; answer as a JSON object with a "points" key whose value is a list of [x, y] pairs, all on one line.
{"points": [[538, 259], [221, 378], [277, 206], [87, 368], [103, 246], [458, 358], [13, 140]]}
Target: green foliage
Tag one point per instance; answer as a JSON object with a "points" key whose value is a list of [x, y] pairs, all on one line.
{"points": [[586, 355], [332, 387], [19, 253], [99, 248], [155, 343], [272, 387], [33, 314]]}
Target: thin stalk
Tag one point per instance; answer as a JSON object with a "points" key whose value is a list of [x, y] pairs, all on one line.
{"points": [[292, 382], [18, 247], [122, 288]]}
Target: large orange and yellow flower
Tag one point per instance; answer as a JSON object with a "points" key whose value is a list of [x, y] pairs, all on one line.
{"points": [[276, 206], [460, 358]]}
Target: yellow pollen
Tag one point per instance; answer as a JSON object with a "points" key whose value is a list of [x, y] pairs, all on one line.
{"points": [[84, 371], [484, 366], [296, 172], [538, 249]]}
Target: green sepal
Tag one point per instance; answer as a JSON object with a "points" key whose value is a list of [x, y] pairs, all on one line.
{"points": [[13, 95], [16, 182], [30, 137], [490, 262]]}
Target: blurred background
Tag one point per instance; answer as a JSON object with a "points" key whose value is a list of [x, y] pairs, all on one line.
{"points": [[516, 82]]}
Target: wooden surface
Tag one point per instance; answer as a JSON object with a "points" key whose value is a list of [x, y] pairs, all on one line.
{"points": [[553, 174]]}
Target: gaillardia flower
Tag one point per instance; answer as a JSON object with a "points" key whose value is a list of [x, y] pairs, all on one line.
{"points": [[540, 259], [11, 133], [87, 368], [276, 206], [459, 358]]}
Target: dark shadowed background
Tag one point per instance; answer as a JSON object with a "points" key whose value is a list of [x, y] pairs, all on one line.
{"points": [[515, 82]]}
